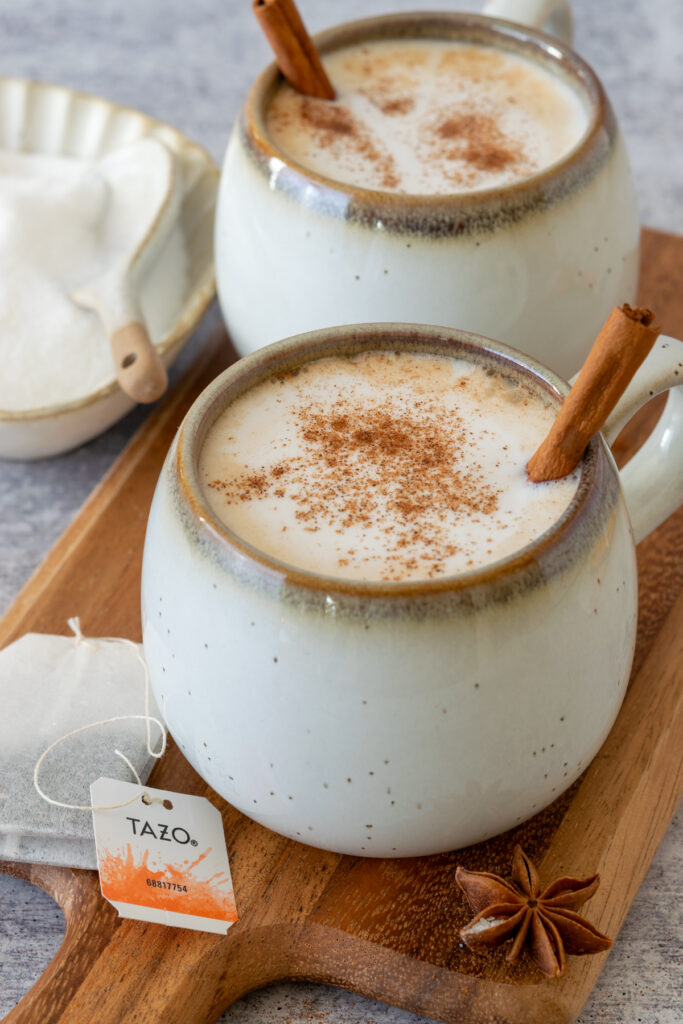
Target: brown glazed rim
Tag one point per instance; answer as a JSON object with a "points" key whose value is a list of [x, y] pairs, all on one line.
{"points": [[351, 339], [370, 205]]}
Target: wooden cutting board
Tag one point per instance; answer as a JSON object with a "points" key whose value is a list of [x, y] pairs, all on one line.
{"points": [[387, 929]]}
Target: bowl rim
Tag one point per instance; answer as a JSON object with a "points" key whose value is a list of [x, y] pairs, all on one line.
{"points": [[200, 299]]}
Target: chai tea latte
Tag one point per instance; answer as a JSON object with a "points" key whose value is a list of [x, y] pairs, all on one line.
{"points": [[429, 117], [383, 466]]}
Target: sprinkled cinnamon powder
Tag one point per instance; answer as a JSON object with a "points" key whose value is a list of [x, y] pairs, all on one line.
{"points": [[388, 462], [420, 464], [479, 142], [393, 105], [329, 122], [429, 116]]}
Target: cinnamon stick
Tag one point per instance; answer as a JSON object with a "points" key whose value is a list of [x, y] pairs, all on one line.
{"points": [[295, 53], [618, 351]]}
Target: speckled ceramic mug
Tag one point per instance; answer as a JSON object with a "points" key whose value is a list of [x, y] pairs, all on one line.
{"points": [[538, 264], [397, 719]]}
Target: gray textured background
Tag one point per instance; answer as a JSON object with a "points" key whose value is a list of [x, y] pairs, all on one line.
{"points": [[190, 62]]}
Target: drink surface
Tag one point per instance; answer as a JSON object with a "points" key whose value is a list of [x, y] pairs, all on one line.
{"points": [[384, 466], [429, 117]]}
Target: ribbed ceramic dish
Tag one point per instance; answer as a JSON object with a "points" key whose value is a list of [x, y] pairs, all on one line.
{"points": [[48, 119]]}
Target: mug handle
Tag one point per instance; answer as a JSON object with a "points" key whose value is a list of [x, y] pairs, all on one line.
{"points": [[554, 16], [652, 481]]}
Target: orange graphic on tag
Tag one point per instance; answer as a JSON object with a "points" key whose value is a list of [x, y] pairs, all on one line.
{"points": [[173, 887]]}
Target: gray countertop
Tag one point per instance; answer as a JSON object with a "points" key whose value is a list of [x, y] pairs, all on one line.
{"points": [[191, 64]]}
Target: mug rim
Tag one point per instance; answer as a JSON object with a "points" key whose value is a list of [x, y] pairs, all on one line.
{"points": [[373, 205], [547, 550]]}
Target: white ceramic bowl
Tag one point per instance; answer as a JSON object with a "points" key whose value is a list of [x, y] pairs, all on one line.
{"points": [[48, 119]]}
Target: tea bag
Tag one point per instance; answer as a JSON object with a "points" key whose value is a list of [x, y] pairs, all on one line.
{"points": [[50, 686]]}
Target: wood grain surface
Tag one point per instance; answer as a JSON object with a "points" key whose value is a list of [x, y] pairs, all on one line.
{"points": [[388, 929]]}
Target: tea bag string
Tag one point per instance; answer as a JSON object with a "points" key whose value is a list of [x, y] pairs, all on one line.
{"points": [[75, 625]]}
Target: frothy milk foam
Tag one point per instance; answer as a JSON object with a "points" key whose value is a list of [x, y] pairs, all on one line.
{"points": [[429, 116], [383, 466]]}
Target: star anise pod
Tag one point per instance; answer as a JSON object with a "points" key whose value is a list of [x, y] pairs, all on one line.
{"points": [[545, 922]]}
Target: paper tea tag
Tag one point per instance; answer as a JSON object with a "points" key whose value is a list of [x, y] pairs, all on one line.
{"points": [[162, 857]]}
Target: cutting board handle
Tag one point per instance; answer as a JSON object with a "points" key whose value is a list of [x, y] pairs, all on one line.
{"points": [[90, 924]]}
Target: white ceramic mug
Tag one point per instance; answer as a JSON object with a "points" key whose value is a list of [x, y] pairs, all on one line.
{"points": [[554, 16], [538, 264], [399, 719]]}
